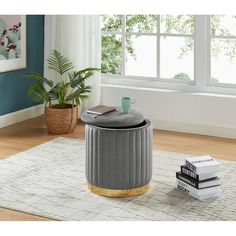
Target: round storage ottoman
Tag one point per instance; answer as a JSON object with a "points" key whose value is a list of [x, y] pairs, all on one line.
{"points": [[119, 160]]}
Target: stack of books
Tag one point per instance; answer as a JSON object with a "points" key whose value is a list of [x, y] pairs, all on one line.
{"points": [[198, 177]]}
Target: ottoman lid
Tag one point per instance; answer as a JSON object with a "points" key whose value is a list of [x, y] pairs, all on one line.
{"points": [[115, 119]]}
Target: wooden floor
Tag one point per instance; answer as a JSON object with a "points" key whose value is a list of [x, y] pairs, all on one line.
{"points": [[30, 133]]}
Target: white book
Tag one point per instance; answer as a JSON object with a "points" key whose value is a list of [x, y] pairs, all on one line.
{"points": [[204, 197], [193, 175], [202, 164], [209, 175], [198, 193]]}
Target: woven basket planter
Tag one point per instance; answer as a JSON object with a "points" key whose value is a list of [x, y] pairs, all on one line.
{"points": [[61, 121]]}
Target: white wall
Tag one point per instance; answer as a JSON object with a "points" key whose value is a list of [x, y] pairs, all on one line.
{"points": [[198, 113]]}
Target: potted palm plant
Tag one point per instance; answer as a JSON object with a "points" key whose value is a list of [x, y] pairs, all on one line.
{"points": [[62, 98]]}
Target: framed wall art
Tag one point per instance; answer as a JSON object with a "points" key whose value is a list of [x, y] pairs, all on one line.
{"points": [[12, 42]]}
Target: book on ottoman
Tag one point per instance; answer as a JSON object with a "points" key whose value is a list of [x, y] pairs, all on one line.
{"points": [[101, 110]]}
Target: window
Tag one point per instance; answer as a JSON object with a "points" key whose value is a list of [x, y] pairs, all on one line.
{"points": [[169, 54], [192, 53], [176, 47], [223, 49]]}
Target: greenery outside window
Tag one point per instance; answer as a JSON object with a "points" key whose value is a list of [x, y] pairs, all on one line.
{"points": [[223, 49], [166, 42], [186, 52]]}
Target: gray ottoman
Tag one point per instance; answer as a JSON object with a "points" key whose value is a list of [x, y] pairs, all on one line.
{"points": [[118, 153]]}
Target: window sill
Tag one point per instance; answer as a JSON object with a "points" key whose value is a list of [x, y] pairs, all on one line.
{"points": [[149, 84], [166, 90], [210, 91]]}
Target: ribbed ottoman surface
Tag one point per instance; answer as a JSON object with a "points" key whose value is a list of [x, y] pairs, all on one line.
{"points": [[119, 158]]}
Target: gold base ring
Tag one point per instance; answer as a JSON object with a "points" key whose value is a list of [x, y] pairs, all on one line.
{"points": [[118, 193]]}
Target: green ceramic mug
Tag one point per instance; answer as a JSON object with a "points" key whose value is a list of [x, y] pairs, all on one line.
{"points": [[126, 103]]}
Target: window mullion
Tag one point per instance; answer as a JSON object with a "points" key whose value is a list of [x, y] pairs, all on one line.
{"points": [[208, 50], [123, 46], [158, 47], [201, 49]]}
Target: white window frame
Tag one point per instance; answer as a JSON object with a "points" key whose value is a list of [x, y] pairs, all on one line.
{"points": [[202, 62]]}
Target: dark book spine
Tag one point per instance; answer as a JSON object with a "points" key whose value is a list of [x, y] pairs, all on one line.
{"points": [[187, 180], [189, 172], [190, 166]]}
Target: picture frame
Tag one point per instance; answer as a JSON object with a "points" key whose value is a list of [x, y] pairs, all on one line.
{"points": [[15, 61]]}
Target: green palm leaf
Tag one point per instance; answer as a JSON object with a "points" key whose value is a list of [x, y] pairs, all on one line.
{"points": [[79, 95], [78, 77], [59, 63], [38, 93], [39, 77]]}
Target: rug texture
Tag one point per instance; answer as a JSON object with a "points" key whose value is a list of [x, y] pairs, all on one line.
{"points": [[49, 180]]}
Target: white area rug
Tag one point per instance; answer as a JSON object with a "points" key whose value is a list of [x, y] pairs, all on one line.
{"points": [[49, 180]]}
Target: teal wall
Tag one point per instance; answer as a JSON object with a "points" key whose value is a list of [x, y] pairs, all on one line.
{"points": [[13, 88]]}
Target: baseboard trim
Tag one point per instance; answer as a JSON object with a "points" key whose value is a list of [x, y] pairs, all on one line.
{"points": [[194, 128], [183, 127], [18, 116]]}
